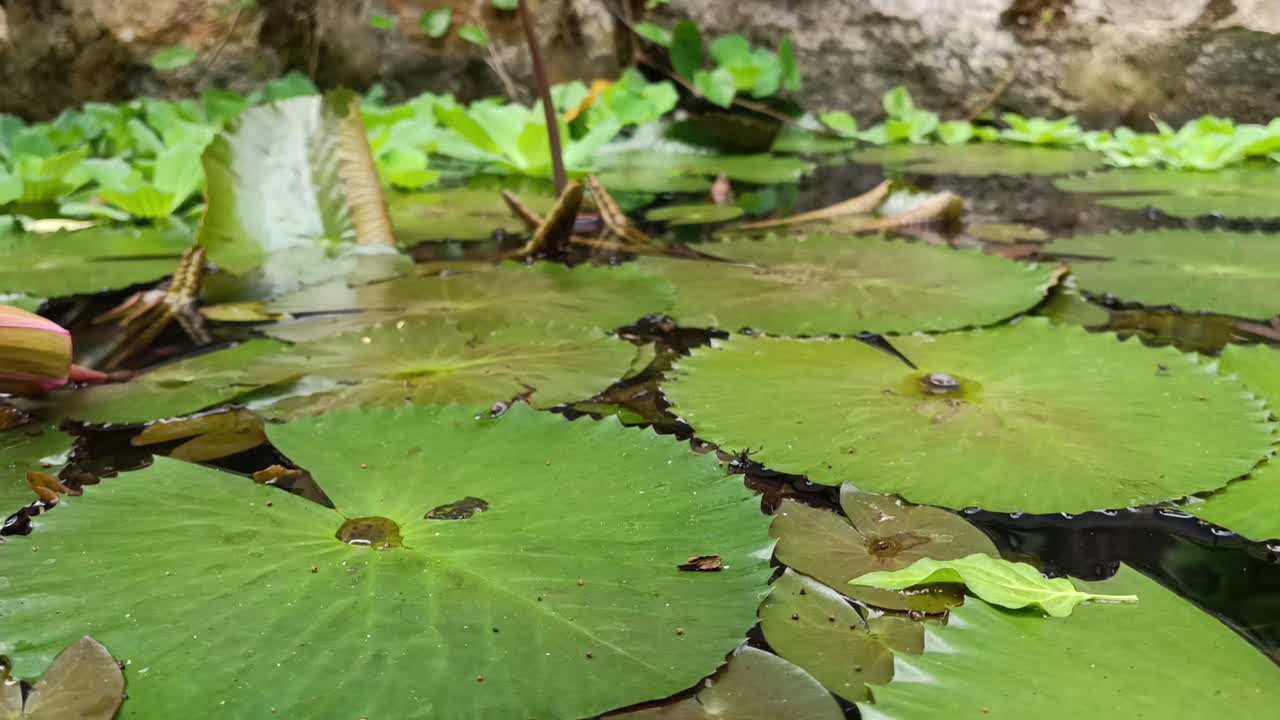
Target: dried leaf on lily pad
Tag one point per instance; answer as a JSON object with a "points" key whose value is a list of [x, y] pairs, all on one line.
{"points": [[755, 685], [879, 533], [178, 388], [87, 261], [431, 362], [1249, 506], [24, 449], [82, 683], [1223, 272], [1164, 659], [812, 626], [1244, 191], [1033, 417], [979, 159], [824, 284], [510, 293], [554, 582], [1000, 582]]}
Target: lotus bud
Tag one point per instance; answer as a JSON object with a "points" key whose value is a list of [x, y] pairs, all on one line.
{"points": [[35, 352]]}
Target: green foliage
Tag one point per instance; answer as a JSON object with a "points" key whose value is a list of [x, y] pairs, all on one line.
{"points": [[739, 67], [999, 582], [505, 4], [474, 34], [435, 23], [173, 58]]}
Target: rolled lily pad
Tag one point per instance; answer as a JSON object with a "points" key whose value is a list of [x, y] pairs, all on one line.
{"points": [[878, 533], [605, 297], [810, 625], [24, 448], [1249, 506], [979, 159], [178, 388], [1223, 272], [1033, 417], [87, 261], [1248, 191], [755, 685], [431, 362], [460, 214], [458, 574], [1161, 658], [824, 284], [701, 214]]}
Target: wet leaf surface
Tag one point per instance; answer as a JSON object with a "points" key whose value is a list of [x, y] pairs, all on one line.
{"points": [[812, 626], [979, 159], [1098, 423], [1250, 191], [21, 450], [87, 261], [529, 596], [822, 284], [1163, 658], [1222, 272]]}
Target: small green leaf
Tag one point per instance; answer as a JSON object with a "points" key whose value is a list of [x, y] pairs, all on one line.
{"points": [[435, 23], [505, 4], [897, 102], [717, 87], [840, 121], [382, 22], [655, 34], [955, 132], [173, 58], [999, 582], [474, 35], [686, 49], [790, 69], [731, 49]]}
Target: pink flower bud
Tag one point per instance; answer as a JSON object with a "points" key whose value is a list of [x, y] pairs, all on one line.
{"points": [[35, 353]]}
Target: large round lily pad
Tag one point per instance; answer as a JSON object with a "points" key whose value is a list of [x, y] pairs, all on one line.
{"points": [[35, 446], [1250, 506], [1224, 272], [823, 284], [433, 362], [1029, 417], [516, 567], [1249, 191], [86, 261], [980, 159], [1161, 658]]}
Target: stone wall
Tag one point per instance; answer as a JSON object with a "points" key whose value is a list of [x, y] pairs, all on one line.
{"points": [[1107, 60]]}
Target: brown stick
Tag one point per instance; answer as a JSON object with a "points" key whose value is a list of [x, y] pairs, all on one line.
{"points": [[544, 89]]}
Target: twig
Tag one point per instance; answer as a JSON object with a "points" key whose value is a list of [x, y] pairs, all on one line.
{"points": [[544, 90], [235, 19], [495, 64]]}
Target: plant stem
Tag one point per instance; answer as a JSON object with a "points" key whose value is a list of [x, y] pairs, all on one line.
{"points": [[544, 90]]}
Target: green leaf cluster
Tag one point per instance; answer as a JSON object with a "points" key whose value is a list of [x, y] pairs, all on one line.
{"points": [[737, 66]]}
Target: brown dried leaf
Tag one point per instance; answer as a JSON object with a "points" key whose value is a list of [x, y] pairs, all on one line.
{"points": [[856, 206], [702, 563], [48, 487]]}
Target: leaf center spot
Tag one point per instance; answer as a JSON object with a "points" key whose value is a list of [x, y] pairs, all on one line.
{"points": [[374, 532]]}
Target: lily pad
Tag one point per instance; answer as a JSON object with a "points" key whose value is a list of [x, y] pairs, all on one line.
{"points": [[460, 214], [1029, 417], [87, 261], [24, 448], [605, 297], [698, 214], [431, 362], [1162, 658], [660, 172], [810, 625], [178, 388], [979, 159], [499, 612], [1249, 506], [823, 284], [879, 533], [1224, 272], [755, 685], [1247, 191]]}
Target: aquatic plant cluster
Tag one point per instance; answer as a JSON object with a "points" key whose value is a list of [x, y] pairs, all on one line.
{"points": [[372, 454]]}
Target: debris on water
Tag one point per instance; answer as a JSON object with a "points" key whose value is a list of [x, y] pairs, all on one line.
{"points": [[702, 563], [458, 509]]}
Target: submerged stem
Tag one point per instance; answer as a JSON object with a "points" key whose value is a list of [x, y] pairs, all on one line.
{"points": [[544, 90]]}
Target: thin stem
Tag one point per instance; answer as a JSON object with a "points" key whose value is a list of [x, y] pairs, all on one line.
{"points": [[544, 90]]}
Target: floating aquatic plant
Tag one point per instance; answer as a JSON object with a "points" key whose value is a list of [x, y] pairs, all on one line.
{"points": [[1247, 191]]}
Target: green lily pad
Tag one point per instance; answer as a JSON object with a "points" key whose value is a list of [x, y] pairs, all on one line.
{"points": [[476, 579], [1161, 658], [661, 172], [879, 533], [461, 214], [511, 293], [1007, 232], [810, 625], [1224, 272], [1247, 191], [755, 685], [1034, 417], [979, 159], [24, 448], [430, 362], [87, 261], [697, 214], [823, 284], [177, 388], [1249, 506], [1066, 305]]}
